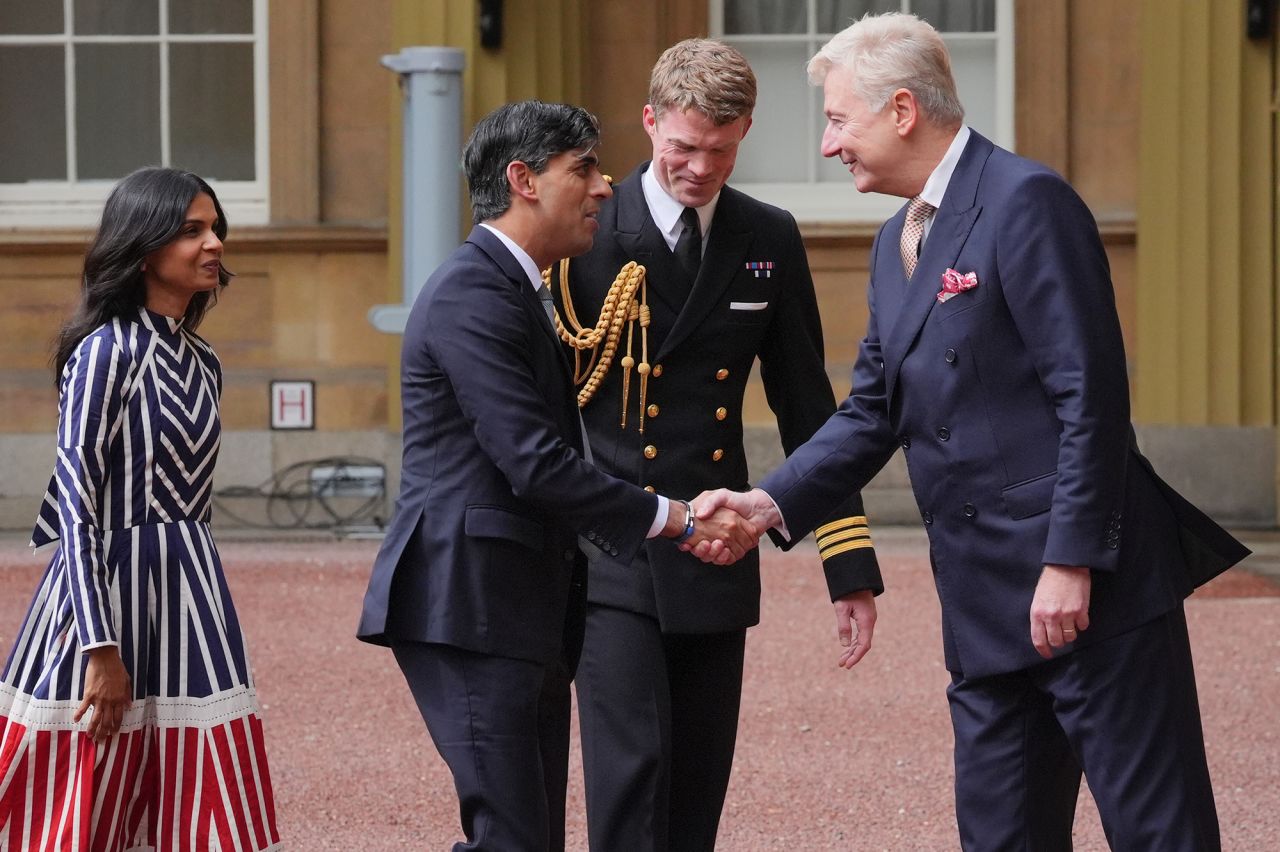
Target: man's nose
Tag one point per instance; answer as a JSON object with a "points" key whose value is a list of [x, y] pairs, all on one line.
{"points": [[601, 188], [830, 148]]}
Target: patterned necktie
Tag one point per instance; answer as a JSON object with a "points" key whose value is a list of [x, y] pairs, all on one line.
{"points": [[918, 210], [549, 306], [689, 245]]}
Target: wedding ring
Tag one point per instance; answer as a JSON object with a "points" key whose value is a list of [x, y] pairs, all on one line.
{"points": [[1068, 630]]}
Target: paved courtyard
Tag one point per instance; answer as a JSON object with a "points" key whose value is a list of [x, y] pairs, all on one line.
{"points": [[826, 759]]}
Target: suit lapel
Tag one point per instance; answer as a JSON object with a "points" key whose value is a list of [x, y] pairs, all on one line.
{"points": [[951, 226], [511, 268], [639, 238], [727, 246]]}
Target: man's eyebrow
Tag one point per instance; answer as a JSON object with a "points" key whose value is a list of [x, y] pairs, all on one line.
{"points": [[589, 158]]}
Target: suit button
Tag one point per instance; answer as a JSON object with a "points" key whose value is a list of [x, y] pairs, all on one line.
{"points": [[944, 434], [657, 370], [928, 518], [950, 356], [970, 510], [652, 410], [591, 537], [717, 455], [722, 413], [613, 551], [568, 555], [651, 489], [722, 374], [651, 452], [1113, 545], [906, 442]]}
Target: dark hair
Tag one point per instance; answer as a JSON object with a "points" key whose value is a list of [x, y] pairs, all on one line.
{"points": [[531, 132], [144, 212]]}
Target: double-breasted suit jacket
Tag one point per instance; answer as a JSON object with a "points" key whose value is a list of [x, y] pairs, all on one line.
{"points": [[481, 550], [753, 297], [1010, 401]]}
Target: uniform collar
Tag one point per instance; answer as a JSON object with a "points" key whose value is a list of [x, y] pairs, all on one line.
{"points": [[665, 210]]}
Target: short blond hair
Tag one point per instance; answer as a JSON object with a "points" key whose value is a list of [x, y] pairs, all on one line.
{"points": [[705, 75], [884, 53]]}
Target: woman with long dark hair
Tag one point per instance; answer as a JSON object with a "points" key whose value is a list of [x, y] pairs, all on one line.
{"points": [[128, 715]]}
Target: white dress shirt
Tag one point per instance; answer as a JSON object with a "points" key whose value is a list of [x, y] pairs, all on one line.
{"points": [[665, 211]]}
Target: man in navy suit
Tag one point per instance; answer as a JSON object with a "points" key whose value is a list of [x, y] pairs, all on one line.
{"points": [[993, 357], [479, 585]]}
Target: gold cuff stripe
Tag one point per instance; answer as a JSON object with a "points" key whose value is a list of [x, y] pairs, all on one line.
{"points": [[856, 532], [855, 520], [856, 544]]}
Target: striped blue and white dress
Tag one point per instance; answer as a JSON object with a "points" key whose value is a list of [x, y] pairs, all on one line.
{"points": [[129, 507]]}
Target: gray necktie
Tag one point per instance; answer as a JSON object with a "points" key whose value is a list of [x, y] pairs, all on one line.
{"points": [[549, 306]]}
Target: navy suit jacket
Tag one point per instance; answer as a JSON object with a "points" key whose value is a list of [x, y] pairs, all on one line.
{"points": [[481, 550], [1011, 403], [706, 347]]}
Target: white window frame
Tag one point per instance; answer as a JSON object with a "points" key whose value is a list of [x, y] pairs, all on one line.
{"points": [[814, 202], [74, 203]]}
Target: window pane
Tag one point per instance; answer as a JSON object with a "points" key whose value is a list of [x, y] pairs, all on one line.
{"points": [[835, 15], [973, 62], [958, 16], [781, 115], [764, 16], [117, 109], [211, 109], [201, 16], [117, 17], [33, 138], [30, 17]]}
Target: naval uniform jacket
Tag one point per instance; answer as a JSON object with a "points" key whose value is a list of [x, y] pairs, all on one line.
{"points": [[1011, 402], [753, 298], [481, 551]]}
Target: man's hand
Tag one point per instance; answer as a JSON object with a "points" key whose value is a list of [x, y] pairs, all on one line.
{"points": [[754, 505], [856, 609], [107, 690], [1060, 608], [722, 537]]}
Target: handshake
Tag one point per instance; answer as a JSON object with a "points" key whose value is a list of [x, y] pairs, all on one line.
{"points": [[727, 524]]}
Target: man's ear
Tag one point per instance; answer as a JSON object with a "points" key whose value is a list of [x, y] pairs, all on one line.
{"points": [[906, 112], [520, 179]]}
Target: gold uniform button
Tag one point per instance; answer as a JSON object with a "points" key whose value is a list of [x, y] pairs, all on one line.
{"points": [[722, 374], [651, 489], [657, 370], [717, 455], [651, 452], [722, 413], [652, 410]]}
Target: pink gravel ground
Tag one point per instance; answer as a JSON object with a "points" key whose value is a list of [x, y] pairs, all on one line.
{"points": [[826, 759]]}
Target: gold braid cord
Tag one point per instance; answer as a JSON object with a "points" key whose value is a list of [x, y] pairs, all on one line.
{"points": [[621, 307]]}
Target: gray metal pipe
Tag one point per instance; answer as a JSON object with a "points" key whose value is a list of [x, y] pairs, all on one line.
{"points": [[431, 81]]}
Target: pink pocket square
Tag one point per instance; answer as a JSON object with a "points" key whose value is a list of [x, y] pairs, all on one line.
{"points": [[953, 284]]}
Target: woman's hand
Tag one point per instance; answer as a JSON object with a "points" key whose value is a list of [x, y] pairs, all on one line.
{"points": [[107, 690]]}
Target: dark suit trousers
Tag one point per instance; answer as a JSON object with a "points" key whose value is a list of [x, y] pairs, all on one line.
{"points": [[659, 718], [1125, 710], [502, 726]]}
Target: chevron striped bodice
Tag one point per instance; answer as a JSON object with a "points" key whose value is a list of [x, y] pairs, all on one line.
{"points": [[139, 430]]}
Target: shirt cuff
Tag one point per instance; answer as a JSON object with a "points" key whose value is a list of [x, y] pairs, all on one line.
{"points": [[659, 517], [781, 526]]}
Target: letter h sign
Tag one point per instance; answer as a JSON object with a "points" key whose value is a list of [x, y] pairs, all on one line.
{"points": [[293, 405]]}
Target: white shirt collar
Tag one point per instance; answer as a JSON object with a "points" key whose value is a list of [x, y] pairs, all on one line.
{"points": [[936, 186], [526, 262], [665, 210]]}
